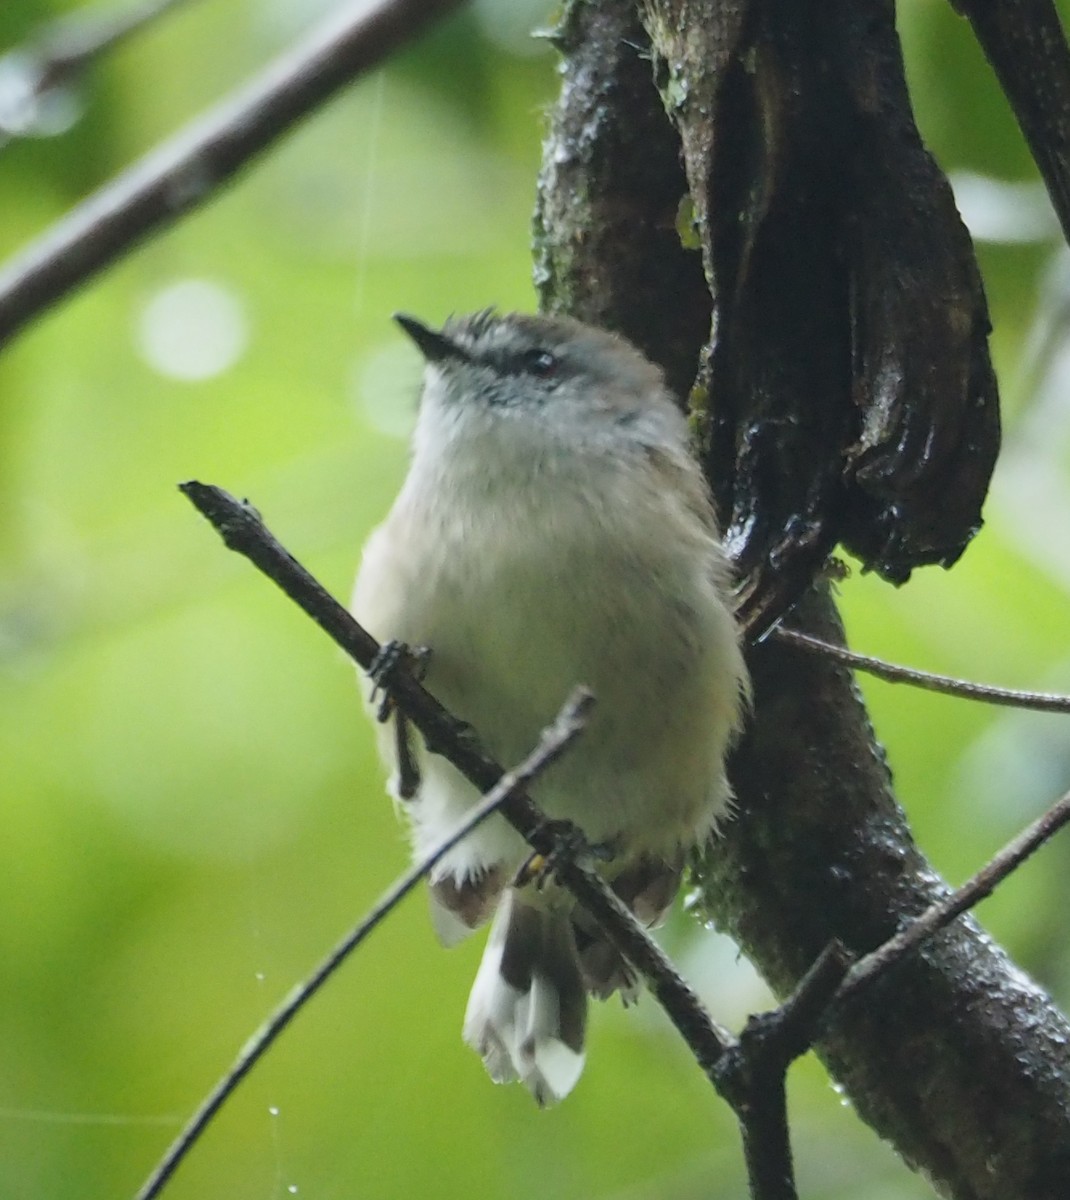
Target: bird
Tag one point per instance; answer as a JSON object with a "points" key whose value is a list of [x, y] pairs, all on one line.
{"points": [[554, 530]]}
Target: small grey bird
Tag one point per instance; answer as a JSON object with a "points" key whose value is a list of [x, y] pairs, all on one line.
{"points": [[554, 530]]}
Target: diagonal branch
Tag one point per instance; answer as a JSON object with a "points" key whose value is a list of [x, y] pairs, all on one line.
{"points": [[965, 1073], [945, 684], [772, 1040], [191, 168], [243, 531], [754, 1070], [749, 1073], [821, 852], [944, 911], [555, 740]]}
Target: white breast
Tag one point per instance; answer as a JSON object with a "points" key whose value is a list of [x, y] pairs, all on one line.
{"points": [[523, 591]]}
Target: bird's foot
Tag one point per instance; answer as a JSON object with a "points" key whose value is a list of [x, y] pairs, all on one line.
{"points": [[569, 844], [394, 657]]}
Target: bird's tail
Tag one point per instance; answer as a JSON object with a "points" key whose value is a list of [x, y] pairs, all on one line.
{"points": [[528, 1009]]}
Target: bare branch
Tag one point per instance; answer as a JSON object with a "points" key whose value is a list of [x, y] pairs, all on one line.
{"points": [[944, 911], [189, 169], [945, 684], [754, 1069], [748, 1073], [35, 98], [556, 738], [243, 531], [965, 1073], [787, 1032]]}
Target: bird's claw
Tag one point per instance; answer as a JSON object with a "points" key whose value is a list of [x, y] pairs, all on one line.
{"points": [[392, 657], [569, 844]]}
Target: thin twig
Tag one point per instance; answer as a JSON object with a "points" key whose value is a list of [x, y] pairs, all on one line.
{"points": [[748, 1073], [754, 1070], [799, 1016], [555, 739], [944, 911], [243, 531], [947, 684], [189, 169]]}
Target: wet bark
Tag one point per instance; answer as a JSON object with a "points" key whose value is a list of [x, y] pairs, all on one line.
{"points": [[831, 318]]}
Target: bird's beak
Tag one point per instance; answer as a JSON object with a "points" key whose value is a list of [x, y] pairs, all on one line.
{"points": [[433, 345]]}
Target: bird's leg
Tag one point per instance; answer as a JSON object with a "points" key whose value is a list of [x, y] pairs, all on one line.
{"points": [[408, 781], [395, 656]]}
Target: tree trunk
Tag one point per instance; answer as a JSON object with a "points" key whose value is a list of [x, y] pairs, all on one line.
{"points": [[836, 325]]}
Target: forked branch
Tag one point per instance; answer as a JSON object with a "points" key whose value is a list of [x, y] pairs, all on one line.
{"points": [[748, 1072]]}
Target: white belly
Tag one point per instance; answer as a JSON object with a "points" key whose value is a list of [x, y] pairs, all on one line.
{"points": [[511, 632]]}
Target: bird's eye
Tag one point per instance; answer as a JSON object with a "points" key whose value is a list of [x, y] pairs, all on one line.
{"points": [[539, 362]]}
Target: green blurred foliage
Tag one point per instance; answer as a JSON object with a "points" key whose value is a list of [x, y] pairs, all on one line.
{"points": [[192, 809]]}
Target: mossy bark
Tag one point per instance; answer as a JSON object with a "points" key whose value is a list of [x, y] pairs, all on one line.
{"points": [[835, 322]]}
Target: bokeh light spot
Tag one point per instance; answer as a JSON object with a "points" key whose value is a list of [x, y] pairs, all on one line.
{"points": [[384, 387], [192, 330]]}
